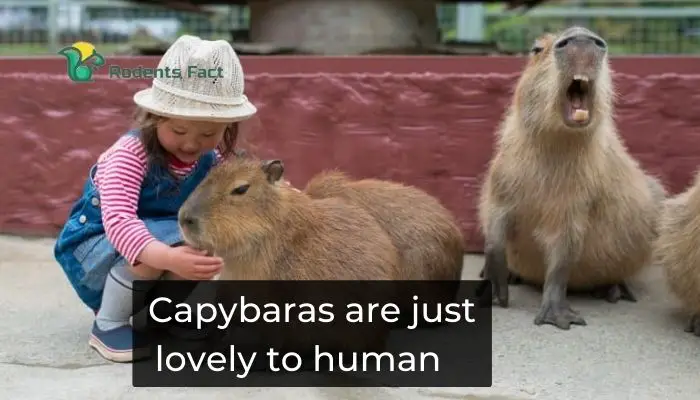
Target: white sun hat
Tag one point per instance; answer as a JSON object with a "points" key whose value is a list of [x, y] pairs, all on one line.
{"points": [[189, 96]]}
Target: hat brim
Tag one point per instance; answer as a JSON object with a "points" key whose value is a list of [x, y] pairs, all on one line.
{"points": [[145, 100]]}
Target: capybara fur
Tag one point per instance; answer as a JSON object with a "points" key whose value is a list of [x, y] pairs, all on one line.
{"points": [[264, 231], [429, 241], [564, 205], [677, 252]]}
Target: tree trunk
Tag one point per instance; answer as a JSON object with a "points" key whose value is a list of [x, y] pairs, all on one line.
{"points": [[344, 27]]}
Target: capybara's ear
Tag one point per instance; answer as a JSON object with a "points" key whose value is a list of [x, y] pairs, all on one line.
{"points": [[274, 169]]}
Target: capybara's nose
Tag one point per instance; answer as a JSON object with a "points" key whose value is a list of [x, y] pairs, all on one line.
{"points": [[580, 40]]}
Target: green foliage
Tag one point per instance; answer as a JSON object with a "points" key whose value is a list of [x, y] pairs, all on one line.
{"points": [[624, 35]]}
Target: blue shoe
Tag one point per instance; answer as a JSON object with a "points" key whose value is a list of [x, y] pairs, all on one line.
{"points": [[115, 344]]}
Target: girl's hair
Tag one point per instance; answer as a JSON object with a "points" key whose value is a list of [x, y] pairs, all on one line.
{"points": [[147, 123]]}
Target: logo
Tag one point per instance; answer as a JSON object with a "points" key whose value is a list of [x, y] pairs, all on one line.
{"points": [[81, 59]]}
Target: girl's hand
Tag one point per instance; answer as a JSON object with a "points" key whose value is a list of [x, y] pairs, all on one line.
{"points": [[193, 264]]}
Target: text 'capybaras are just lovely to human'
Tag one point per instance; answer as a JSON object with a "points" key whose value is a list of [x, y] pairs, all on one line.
{"points": [[202, 314]]}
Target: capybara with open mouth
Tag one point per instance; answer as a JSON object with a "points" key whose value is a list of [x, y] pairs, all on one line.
{"points": [[564, 205]]}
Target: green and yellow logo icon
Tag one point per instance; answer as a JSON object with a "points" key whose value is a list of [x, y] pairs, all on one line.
{"points": [[81, 60]]}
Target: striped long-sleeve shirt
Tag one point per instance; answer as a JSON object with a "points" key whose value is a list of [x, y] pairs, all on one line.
{"points": [[120, 172]]}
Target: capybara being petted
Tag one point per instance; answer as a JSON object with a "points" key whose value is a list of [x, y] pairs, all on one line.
{"points": [[677, 251], [430, 242], [241, 213], [564, 205], [264, 231]]}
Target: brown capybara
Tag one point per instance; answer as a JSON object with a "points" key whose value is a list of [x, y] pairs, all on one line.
{"points": [[265, 231], [564, 205], [430, 243], [677, 252]]}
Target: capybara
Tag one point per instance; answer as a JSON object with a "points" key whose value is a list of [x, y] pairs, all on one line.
{"points": [[430, 243], [264, 231], [677, 252], [564, 205]]}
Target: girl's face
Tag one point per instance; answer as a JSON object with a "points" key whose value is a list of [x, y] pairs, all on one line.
{"points": [[188, 140]]}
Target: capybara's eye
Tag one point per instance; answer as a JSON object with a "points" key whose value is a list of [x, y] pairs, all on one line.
{"points": [[240, 189]]}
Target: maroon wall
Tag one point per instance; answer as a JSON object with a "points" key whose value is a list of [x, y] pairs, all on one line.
{"points": [[427, 121]]}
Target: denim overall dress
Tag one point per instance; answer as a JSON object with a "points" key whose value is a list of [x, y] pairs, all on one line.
{"points": [[82, 247]]}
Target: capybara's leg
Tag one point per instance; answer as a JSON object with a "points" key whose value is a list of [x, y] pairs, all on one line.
{"points": [[693, 325], [495, 268], [555, 309], [614, 293]]}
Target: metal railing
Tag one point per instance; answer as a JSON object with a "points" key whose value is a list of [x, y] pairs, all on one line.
{"points": [[631, 26], [30, 27], [671, 29]]}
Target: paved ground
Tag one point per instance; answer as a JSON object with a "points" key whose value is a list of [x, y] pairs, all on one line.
{"points": [[627, 351]]}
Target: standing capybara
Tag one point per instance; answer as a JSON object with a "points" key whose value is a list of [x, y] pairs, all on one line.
{"points": [[429, 241], [677, 251], [564, 205], [264, 231]]}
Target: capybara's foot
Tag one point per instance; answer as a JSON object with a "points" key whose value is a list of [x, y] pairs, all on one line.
{"points": [[513, 278], [614, 293], [693, 325], [486, 300], [559, 314]]}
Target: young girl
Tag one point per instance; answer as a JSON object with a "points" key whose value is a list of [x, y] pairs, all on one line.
{"points": [[124, 225]]}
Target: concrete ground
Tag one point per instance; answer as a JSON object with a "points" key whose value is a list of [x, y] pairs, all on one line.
{"points": [[627, 351]]}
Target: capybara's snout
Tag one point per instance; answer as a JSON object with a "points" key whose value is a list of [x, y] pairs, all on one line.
{"points": [[579, 51]]}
